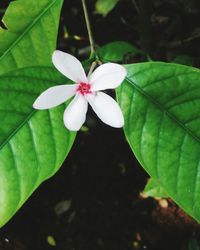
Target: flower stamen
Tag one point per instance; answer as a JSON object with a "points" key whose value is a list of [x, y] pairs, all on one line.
{"points": [[84, 88]]}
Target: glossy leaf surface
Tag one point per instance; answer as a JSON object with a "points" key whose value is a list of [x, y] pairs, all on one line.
{"points": [[33, 144], [161, 104], [30, 37]]}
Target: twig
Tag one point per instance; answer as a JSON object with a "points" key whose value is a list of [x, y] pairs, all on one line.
{"points": [[136, 6], [87, 20]]}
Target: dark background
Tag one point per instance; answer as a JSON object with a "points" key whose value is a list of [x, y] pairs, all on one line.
{"points": [[98, 187]]}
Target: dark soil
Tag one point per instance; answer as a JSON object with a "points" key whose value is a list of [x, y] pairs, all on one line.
{"points": [[94, 201]]}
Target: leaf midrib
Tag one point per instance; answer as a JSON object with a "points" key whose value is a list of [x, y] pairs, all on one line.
{"points": [[29, 27], [164, 110], [28, 116]]}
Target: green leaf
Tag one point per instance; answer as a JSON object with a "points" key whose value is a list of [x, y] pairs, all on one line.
{"points": [[153, 189], [161, 105], [103, 7], [30, 37], [33, 144], [116, 51]]}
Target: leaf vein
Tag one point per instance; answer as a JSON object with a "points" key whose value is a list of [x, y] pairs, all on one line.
{"points": [[30, 26], [164, 110]]}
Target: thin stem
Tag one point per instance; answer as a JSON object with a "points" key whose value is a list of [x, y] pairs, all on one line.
{"points": [[94, 64], [136, 6], [87, 20]]}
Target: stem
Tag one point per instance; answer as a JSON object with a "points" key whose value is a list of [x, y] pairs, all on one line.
{"points": [[136, 6], [87, 20], [94, 64]]}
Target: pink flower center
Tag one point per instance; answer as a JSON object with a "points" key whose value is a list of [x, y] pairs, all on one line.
{"points": [[84, 88]]}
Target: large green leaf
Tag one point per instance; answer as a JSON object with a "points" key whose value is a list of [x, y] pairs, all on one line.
{"points": [[31, 33], [161, 104], [33, 144]]}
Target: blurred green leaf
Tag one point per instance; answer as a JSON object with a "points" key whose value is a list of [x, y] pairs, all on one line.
{"points": [[184, 59], [116, 51], [2, 11], [103, 7], [51, 240], [193, 245], [161, 104], [31, 33], [33, 144]]}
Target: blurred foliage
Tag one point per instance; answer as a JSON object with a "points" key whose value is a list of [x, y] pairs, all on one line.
{"points": [[103, 7], [117, 51], [193, 245], [184, 59], [162, 29]]}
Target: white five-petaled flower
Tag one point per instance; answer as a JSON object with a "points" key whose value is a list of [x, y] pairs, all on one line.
{"points": [[86, 90]]}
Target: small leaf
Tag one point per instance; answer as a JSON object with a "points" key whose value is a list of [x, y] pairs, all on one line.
{"points": [[153, 189], [103, 7], [30, 37], [161, 105], [33, 144], [51, 240], [116, 51]]}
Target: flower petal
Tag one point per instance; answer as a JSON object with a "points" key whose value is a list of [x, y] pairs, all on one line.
{"points": [[107, 76], [69, 66], [54, 96], [75, 113], [107, 109]]}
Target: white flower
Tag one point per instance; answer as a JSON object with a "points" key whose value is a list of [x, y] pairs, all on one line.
{"points": [[86, 90]]}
